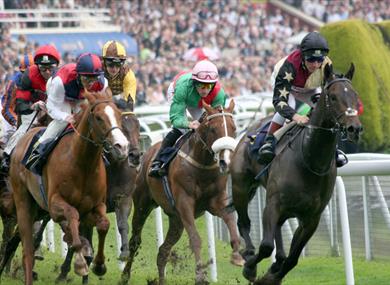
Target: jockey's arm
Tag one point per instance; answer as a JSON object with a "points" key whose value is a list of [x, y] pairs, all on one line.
{"points": [[283, 85], [57, 108], [130, 89], [177, 111]]}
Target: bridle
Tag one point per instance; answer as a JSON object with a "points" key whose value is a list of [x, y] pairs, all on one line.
{"points": [[92, 124]]}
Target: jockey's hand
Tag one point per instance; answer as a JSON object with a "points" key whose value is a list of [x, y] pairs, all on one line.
{"points": [[194, 125], [70, 119], [300, 119], [39, 106]]}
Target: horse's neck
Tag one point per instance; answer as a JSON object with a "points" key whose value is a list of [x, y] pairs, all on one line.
{"points": [[82, 147], [198, 149], [320, 138]]}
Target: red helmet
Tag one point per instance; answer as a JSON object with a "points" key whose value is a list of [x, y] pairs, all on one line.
{"points": [[205, 71], [47, 55], [25, 61]]}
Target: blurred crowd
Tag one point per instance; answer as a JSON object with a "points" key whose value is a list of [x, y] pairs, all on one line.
{"points": [[244, 39], [337, 10]]}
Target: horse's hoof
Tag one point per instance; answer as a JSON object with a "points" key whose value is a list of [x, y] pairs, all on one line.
{"points": [[35, 276], [60, 279], [247, 254], [124, 280], [202, 282], [249, 273], [268, 280], [80, 265], [124, 255], [237, 259], [99, 270]]}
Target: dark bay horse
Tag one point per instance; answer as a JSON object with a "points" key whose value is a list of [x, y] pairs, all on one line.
{"points": [[197, 183], [74, 180], [300, 179], [121, 175]]}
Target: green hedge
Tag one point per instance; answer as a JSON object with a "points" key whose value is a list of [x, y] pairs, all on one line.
{"points": [[367, 46]]}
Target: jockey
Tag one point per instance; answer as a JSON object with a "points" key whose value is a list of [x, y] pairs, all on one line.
{"points": [[31, 95], [9, 118], [187, 91], [300, 71], [121, 79], [65, 94]]}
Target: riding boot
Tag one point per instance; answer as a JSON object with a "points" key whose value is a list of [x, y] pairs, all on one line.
{"points": [[341, 158], [267, 151], [168, 141], [5, 162], [37, 158]]}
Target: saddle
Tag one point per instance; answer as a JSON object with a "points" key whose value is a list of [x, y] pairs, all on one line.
{"points": [[46, 148]]}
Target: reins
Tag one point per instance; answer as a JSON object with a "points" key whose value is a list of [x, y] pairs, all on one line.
{"points": [[102, 142]]}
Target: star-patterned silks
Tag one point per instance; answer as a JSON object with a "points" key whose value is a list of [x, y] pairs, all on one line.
{"points": [[288, 76], [282, 104], [283, 93]]}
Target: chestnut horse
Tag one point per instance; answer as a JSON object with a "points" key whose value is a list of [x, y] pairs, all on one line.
{"points": [[74, 180], [120, 187], [300, 179], [197, 183]]}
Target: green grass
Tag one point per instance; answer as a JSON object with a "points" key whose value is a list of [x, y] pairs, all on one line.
{"points": [[310, 270]]}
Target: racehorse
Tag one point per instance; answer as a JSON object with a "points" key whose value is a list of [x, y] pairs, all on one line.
{"points": [[197, 184], [74, 182], [299, 181], [120, 187]]}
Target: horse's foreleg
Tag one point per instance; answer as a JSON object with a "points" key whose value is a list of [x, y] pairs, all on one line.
{"points": [[143, 206], [300, 238], [174, 233], [280, 253], [65, 267], [60, 210], [185, 208], [270, 220], [242, 195], [122, 212], [9, 224], [102, 226], [218, 208]]}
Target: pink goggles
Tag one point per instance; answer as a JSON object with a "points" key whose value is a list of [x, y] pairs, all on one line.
{"points": [[206, 75]]}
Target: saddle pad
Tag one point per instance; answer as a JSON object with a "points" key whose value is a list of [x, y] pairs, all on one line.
{"points": [[256, 139], [31, 145], [169, 153]]}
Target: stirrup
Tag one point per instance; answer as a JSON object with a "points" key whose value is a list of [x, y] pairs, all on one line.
{"points": [[155, 168], [341, 158]]}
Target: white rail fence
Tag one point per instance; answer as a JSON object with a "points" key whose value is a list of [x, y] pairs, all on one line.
{"points": [[155, 124]]}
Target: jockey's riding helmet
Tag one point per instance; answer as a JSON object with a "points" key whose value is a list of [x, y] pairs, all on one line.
{"points": [[314, 45], [114, 51], [25, 61], [205, 71], [89, 64], [47, 55]]}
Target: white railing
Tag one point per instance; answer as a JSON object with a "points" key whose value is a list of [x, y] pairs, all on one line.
{"points": [[30, 21]]}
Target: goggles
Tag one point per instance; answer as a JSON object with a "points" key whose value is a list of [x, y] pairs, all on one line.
{"points": [[203, 85], [45, 67], [319, 59], [206, 75], [114, 62], [89, 78]]}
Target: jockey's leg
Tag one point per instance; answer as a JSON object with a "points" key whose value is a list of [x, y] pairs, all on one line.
{"points": [[54, 129], [267, 151], [168, 141]]}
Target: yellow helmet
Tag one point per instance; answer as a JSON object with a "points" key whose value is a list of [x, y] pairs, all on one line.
{"points": [[114, 51]]}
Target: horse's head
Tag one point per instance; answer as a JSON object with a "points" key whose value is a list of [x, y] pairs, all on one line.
{"points": [[342, 102], [218, 131], [104, 123], [131, 129]]}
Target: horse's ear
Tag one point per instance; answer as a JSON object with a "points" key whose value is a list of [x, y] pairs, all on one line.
{"points": [[231, 106], [328, 72], [207, 107], [350, 72]]}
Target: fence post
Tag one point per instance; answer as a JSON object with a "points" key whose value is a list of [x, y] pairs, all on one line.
{"points": [[367, 218]]}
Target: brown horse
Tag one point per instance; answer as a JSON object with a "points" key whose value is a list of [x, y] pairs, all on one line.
{"points": [[74, 180], [197, 183], [300, 179], [120, 187]]}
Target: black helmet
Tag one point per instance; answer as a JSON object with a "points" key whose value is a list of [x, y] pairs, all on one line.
{"points": [[314, 45]]}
